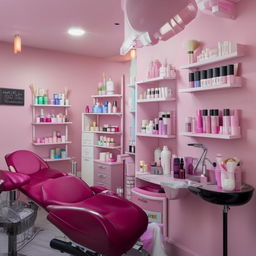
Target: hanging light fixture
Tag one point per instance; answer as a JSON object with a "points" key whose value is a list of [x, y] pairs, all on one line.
{"points": [[17, 44], [133, 53]]}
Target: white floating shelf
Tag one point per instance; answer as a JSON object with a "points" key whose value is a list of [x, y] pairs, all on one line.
{"points": [[157, 79], [52, 106], [116, 147], [209, 135], [101, 132], [155, 100], [107, 96], [213, 60], [57, 160], [107, 163], [56, 143], [200, 89], [156, 136], [104, 114], [45, 123], [130, 153]]}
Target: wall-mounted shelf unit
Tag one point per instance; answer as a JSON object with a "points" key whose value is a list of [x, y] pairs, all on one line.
{"points": [[42, 132], [107, 96], [155, 100], [94, 171], [212, 136], [47, 144], [48, 105], [156, 136], [239, 53], [200, 89], [104, 114]]}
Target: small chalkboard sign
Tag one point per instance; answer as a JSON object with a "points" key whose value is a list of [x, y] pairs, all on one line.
{"points": [[12, 96]]}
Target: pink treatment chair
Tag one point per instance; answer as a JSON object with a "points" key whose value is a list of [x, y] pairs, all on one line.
{"points": [[97, 221]]}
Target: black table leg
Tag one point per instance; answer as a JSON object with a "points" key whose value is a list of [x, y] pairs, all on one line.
{"points": [[225, 230]]}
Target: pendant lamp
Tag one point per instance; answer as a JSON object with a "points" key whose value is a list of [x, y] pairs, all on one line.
{"points": [[17, 44]]}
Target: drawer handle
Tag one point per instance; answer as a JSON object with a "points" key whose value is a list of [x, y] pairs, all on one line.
{"points": [[102, 167], [102, 175], [143, 200]]}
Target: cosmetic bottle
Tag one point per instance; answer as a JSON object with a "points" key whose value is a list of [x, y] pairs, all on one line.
{"points": [[199, 124], [157, 156], [209, 77], [163, 69], [197, 79], [234, 120], [226, 121], [165, 124], [160, 126], [230, 74], [110, 87], [223, 75], [109, 107], [213, 122], [191, 80], [156, 126], [238, 177], [176, 168], [166, 160], [188, 124], [216, 75], [149, 128], [169, 123], [218, 119], [114, 109], [182, 171], [203, 76], [193, 125]]}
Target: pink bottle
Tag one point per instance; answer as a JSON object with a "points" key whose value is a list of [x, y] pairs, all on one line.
{"points": [[206, 122], [226, 121], [234, 119], [238, 177], [213, 121], [199, 123]]}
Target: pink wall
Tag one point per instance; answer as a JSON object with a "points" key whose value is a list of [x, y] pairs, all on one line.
{"points": [[196, 225], [53, 70]]}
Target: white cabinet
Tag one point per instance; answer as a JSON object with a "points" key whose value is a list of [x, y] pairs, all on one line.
{"points": [[87, 158]]}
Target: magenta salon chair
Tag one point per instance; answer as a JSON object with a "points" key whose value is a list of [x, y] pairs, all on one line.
{"points": [[97, 221]]}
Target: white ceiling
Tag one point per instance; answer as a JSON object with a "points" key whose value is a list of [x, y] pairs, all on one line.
{"points": [[43, 24]]}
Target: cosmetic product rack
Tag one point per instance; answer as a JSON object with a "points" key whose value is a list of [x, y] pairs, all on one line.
{"points": [[102, 142], [50, 120], [149, 109], [229, 81]]}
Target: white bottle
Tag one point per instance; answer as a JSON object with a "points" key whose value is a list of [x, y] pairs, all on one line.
{"points": [[109, 107], [110, 87], [149, 128], [166, 160], [157, 156]]}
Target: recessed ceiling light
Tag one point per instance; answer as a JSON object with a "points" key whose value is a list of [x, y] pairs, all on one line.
{"points": [[76, 31]]}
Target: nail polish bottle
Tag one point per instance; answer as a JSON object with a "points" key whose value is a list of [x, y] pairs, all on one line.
{"points": [[156, 126], [197, 79], [160, 126], [226, 121], [203, 76], [223, 75], [209, 77], [216, 75], [230, 74], [199, 124], [191, 80], [176, 167]]}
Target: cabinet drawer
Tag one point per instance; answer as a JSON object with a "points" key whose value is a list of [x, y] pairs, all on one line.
{"points": [[102, 184], [87, 139], [102, 177], [87, 152], [102, 168]]}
